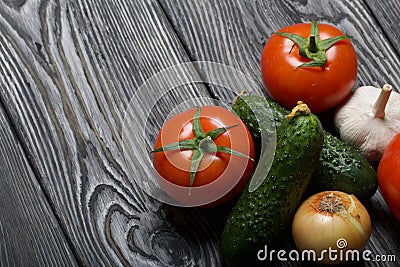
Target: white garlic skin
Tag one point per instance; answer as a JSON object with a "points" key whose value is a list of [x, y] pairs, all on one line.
{"points": [[355, 122]]}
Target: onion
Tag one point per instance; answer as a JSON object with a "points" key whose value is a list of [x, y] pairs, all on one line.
{"points": [[332, 224]]}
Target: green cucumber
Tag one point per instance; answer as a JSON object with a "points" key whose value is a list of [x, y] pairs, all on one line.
{"points": [[340, 166], [263, 216]]}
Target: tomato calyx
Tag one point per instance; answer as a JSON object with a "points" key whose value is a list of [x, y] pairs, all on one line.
{"points": [[201, 144], [313, 47]]}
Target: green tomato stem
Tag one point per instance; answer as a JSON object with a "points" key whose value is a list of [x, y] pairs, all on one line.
{"points": [[312, 47], [201, 144], [313, 44], [207, 145]]}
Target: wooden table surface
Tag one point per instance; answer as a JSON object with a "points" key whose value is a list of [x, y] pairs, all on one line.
{"points": [[68, 71]]}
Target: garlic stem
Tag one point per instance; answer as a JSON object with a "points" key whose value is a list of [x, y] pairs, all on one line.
{"points": [[379, 107]]}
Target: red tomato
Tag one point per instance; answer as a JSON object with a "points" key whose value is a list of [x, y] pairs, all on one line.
{"points": [[389, 175], [322, 88], [220, 176]]}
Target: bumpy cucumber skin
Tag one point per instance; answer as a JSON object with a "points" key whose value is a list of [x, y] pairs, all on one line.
{"points": [[262, 217], [340, 166], [243, 110], [343, 168]]}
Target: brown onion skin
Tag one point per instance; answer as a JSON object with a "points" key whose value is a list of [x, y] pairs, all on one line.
{"points": [[315, 229]]}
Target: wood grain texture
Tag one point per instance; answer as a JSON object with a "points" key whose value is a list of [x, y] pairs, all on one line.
{"points": [[386, 15], [68, 70], [234, 32], [29, 232]]}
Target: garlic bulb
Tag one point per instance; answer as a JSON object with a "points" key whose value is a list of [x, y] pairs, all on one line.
{"points": [[369, 119]]}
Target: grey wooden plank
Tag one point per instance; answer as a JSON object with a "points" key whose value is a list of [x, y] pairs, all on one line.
{"points": [[68, 70], [386, 15], [234, 32], [25, 211]]}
